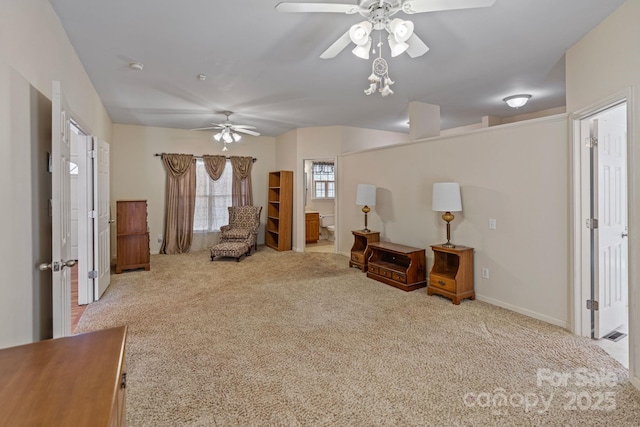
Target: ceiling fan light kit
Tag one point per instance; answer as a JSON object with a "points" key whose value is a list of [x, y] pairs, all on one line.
{"points": [[378, 15], [229, 132]]}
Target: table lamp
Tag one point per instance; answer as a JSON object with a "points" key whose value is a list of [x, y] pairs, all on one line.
{"points": [[365, 197], [446, 198]]}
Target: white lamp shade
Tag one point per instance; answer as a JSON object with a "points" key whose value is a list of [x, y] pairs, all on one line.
{"points": [[396, 47], [446, 197], [359, 33], [401, 29], [217, 136], [366, 195], [362, 51]]}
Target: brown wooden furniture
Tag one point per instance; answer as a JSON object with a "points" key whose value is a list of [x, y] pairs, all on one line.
{"points": [[279, 210], [401, 266], [312, 227], [72, 381], [359, 251], [452, 273], [132, 235]]}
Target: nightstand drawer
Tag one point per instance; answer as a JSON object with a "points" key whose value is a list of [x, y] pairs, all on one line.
{"points": [[442, 283], [357, 257]]}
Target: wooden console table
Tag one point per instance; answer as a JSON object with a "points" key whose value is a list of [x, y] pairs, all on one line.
{"points": [[452, 273], [359, 251], [73, 381], [397, 265]]}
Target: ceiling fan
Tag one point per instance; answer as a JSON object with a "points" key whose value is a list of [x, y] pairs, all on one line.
{"points": [[378, 15], [229, 132]]}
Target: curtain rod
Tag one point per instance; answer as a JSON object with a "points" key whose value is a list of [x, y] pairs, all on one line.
{"points": [[200, 157]]}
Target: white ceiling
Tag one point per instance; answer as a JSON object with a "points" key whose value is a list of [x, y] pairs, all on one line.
{"points": [[265, 66]]}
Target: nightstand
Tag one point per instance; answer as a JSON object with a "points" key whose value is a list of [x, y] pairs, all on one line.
{"points": [[452, 273], [359, 251]]}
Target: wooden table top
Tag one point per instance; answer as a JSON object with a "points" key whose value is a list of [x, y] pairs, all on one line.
{"points": [[66, 381]]}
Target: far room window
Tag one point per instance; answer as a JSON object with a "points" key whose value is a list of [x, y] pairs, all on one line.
{"points": [[212, 199], [324, 185]]}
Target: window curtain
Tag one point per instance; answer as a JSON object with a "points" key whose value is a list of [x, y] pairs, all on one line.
{"points": [[241, 194], [214, 165], [180, 202]]}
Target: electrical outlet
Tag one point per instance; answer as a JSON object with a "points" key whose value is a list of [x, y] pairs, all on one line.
{"points": [[492, 224], [485, 273], [159, 238]]}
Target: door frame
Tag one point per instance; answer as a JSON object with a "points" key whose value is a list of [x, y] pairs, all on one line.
{"points": [[300, 241], [580, 288], [581, 276]]}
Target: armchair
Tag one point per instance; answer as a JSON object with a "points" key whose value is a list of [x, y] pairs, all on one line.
{"points": [[244, 222]]}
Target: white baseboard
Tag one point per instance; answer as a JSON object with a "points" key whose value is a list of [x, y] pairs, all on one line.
{"points": [[561, 323]]}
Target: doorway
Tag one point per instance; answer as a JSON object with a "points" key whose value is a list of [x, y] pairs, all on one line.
{"points": [[319, 195], [601, 233]]}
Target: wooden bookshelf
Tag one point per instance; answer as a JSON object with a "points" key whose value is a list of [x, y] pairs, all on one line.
{"points": [[279, 210]]}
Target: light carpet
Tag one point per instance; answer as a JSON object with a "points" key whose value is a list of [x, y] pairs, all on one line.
{"points": [[301, 339]]}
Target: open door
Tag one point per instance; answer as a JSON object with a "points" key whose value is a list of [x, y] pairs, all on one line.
{"points": [[85, 220], [609, 183], [102, 223], [61, 214]]}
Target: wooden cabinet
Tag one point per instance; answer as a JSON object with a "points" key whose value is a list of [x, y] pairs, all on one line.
{"points": [[312, 227], [132, 235], [73, 381], [452, 273], [401, 266], [359, 251], [279, 210]]}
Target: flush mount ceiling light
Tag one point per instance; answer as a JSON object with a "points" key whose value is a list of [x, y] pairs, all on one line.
{"points": [[517, 101], [378, 15]]}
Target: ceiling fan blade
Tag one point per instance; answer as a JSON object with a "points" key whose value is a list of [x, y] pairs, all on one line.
{"points": [[209, 128], [317, 7], [247, 131], [244, 127], [421, 6], [337, 46], [416, 46]]}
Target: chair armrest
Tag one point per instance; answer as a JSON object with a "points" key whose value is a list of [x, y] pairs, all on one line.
{"points": [[225, 228]]}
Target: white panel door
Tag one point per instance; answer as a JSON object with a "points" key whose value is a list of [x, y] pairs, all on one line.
{"points": [[102, 224], [61, 214], [611, 286]]}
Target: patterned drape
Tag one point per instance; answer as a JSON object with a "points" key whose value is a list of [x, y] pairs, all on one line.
{"points": [[241, 193], [180, 202], [214, 165]]}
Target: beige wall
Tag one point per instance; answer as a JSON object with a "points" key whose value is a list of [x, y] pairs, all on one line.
{"points": [[516, 174], [358, 139], [34, 51], [137, 174], [602, 66]]}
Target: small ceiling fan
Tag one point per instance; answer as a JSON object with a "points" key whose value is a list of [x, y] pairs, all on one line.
{"points": [[378, 15], [229, 132]]}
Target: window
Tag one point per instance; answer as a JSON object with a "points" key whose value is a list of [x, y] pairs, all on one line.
{"points": [[324, 186], [212, 199]]}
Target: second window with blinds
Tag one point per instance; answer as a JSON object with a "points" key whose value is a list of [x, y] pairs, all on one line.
{"points": [[323, 176], [212, 199]]}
